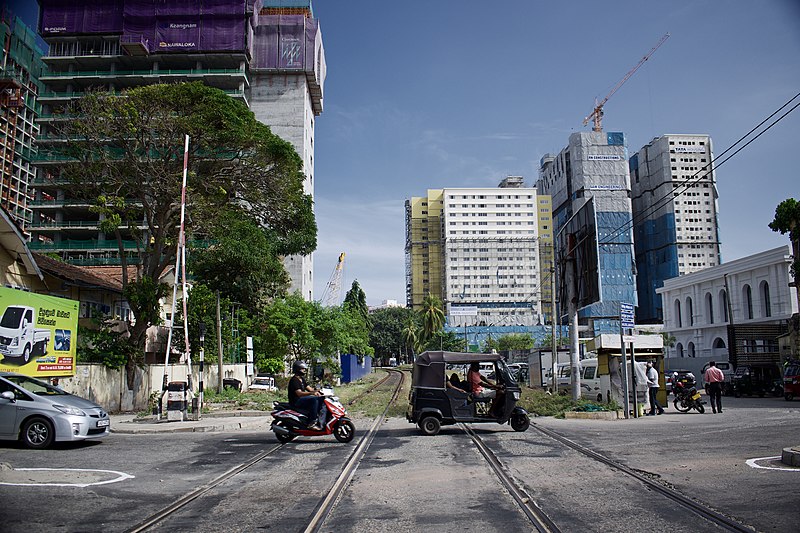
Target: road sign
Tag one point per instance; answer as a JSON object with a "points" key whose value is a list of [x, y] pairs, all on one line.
{"points": [[626, 315]]}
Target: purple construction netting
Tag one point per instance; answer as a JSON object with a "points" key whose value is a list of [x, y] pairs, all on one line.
{"points": [[223, 34], [177, 33], [285, 42], [68, 17]]}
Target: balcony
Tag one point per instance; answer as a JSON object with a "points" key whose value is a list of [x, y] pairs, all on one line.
{"points": [[146, 76], [88, 245]]}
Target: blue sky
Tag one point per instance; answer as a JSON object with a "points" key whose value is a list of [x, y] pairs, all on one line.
{"points": [[461, 93]]}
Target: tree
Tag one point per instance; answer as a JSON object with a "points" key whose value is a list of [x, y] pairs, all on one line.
{"points": [[125, 155], [432, 316], [357, 300], [515, 341], [242, 261], [449, 341], [386, 333], [411, 335], [787, 220]]}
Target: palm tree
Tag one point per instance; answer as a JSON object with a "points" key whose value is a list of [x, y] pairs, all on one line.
{"points": [[432, 316], [409, 334]]}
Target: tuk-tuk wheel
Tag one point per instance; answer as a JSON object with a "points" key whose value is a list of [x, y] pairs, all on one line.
{"points": [[788, 396], [520, 422], [430, 425]]}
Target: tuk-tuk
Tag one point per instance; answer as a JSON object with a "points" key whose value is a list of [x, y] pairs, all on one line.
{"points": [[758, 380], [433, 403], [791, 380]]}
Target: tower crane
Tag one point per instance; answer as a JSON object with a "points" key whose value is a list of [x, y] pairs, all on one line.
{"points": [[334, 287], [597, 113]]}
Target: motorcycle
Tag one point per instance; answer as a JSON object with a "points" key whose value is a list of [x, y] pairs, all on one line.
{"points": [[289, 423], [687, 397]]}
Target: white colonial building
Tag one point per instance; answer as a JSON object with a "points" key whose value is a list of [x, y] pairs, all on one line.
{"points": [[698, 310]]}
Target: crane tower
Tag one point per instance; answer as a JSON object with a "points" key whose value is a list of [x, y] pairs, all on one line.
{"points": [[597, 114], [333, 289]]}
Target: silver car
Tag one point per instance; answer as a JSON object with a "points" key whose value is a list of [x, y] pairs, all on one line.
{"points": [[38, 413]]}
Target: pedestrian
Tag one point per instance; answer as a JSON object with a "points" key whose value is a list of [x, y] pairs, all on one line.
{"points": [[714, 379], [652, 390]]}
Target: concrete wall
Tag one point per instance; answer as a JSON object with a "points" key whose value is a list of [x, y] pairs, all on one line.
{"points": [[108, 388]]}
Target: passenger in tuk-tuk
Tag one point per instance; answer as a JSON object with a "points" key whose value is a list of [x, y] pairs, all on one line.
{"points": [[455, 383], [477, 383]]}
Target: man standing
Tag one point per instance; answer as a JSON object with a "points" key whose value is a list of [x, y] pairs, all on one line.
{"points": [[713, 379], [652, 390]]}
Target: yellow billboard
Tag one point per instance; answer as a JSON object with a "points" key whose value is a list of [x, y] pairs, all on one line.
{"points": [[38, 333]]}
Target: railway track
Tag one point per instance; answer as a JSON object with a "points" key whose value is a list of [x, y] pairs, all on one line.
{"points": [[521, 495], [327, 502]]}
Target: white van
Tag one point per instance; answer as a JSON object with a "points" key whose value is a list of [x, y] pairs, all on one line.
{"points": [[590, 380]]}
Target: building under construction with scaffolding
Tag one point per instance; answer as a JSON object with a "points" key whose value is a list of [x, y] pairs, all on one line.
{"points": [[480, 250], [20, 70]]}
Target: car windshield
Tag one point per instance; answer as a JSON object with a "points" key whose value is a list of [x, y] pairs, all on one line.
{"points": [[35, 386], [11, 317]]}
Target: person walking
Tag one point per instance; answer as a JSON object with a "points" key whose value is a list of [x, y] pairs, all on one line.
{"points": [[714, 379], [652, 390]]}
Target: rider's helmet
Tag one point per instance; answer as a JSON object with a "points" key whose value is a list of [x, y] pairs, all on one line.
{"points": [[299, 367]]}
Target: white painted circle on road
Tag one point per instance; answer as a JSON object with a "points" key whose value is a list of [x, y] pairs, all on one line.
{"points": [[753, 463], [59, 477]]}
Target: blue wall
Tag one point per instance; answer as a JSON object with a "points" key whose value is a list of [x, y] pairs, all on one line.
{"points": [[352, 370]]}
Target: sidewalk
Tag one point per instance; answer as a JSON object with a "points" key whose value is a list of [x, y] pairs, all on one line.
{"points": [[220, 421]]}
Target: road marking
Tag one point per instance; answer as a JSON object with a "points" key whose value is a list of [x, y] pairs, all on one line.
{"points": [[83, 472], [753, 463]]}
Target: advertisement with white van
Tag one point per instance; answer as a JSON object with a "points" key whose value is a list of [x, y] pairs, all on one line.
{"points": [[38, 334]]}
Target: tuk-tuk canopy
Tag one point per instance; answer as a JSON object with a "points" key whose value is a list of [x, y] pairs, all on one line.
{"points": [[430, 367]]}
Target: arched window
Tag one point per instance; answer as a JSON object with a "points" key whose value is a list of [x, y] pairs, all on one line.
{"points": [[723, 305], [709, 308], [766, 304], [679, 349], [690, 311], [690, 349], [678, 319], [718, 343], [747, 296]]}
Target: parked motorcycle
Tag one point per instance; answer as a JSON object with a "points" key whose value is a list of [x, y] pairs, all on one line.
{"points": [[289, 423], [686, 395]]}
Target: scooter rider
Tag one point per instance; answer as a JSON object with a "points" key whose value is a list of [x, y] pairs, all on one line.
{"points": [[303, 396]]}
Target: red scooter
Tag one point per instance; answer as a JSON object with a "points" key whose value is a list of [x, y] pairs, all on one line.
{"points": [[289, 423]]}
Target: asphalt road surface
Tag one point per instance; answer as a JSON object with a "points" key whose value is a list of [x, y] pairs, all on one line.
{"points": [[408, 482]]}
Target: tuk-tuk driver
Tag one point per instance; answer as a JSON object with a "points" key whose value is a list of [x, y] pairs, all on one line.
{"points": [[477, 383]]}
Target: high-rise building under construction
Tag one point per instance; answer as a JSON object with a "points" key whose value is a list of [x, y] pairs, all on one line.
{"points": [[267, 53], [676, 230], [481, 251], [20, 68], [593, 169]]}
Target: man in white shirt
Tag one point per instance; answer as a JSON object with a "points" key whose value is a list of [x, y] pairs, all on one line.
{"points": [[652, 390]]}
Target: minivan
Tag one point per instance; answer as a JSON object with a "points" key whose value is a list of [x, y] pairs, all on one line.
{"points": [[590, 379]]}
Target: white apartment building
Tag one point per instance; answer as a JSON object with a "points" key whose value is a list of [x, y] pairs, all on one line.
{"points": [[697, 309], [674, 200], [491, 241]]}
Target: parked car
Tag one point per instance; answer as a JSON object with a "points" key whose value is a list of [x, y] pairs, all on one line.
{"points": [[39, 414], [263, 383]]}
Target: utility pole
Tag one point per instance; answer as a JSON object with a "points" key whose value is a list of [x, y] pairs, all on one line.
{"points": [[553, 341], [219, 345], [572, 306]]}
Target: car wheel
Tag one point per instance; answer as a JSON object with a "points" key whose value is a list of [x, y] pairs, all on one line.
{"points": [[26, 355], [344, 431], [430, 425], [37, 433], [520, 422]]}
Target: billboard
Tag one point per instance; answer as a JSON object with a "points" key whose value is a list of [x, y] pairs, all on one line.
{"points": [[577, 239], [38, 333]]}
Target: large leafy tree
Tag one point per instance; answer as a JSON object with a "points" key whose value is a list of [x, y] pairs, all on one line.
{"points": [[126, 154], [242, 260], [386, 334], [356, 299], [787, 220]]}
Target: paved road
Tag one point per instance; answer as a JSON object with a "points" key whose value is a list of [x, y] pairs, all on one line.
{"points": [[409, 482]]}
